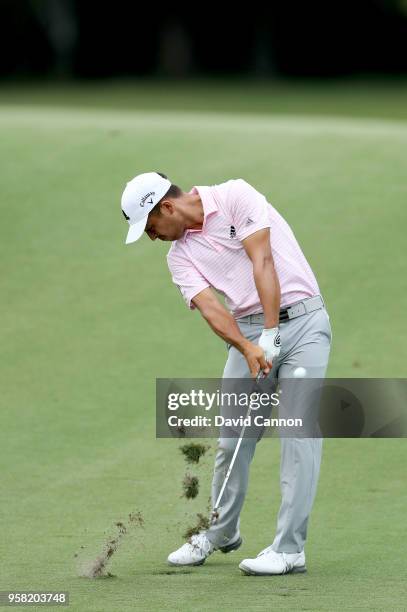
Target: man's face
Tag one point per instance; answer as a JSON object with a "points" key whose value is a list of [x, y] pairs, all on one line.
{"points": [[166, 225]]}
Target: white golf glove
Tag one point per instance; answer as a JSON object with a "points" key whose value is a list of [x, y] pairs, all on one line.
{"points": [[270, 343]]}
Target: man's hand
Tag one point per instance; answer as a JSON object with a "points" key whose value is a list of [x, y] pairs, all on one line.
{"points": [[255, 358], [270, 343]]}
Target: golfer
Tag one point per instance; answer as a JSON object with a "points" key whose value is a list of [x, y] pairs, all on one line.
{"points": [[228, 239]]}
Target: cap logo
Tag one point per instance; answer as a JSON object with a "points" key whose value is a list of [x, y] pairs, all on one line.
{"points": [[144, 198], [125, 216]]}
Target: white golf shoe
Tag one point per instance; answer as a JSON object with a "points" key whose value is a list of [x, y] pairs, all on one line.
{"points": [[198, 548], [269, 563]]}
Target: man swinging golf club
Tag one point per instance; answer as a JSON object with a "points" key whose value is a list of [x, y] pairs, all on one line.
{"points": [[228, 238]]}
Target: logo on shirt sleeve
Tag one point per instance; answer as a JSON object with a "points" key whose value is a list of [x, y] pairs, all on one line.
{"points": [[249, 221], [232, 231]]}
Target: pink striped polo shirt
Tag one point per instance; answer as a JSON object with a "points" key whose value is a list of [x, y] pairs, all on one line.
{"points": [[214, 256]]}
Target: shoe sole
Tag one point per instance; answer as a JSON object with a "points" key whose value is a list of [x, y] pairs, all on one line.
{"points": [[187, 564], [248, 572], [231, 547]]}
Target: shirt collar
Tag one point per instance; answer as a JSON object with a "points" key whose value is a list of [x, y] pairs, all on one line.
{"points": [[209, 206]]}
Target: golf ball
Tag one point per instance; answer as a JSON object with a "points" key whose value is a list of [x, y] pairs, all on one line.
{"points": [[299, 372]]}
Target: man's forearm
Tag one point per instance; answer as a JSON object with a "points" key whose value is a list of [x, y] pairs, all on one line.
{"points": [[224, 325], [268, 288]]}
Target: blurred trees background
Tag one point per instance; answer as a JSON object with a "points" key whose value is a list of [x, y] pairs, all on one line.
{"points": [[90, 39]]}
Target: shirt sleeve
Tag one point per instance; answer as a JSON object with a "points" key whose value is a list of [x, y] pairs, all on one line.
{"points": [[186, 277], [249, 208]]}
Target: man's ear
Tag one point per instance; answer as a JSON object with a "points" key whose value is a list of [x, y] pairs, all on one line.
{"points": [[167, 206]]}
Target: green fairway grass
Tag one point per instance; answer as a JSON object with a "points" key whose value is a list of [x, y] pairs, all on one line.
{"points": [[88, 324], [347, 96]]}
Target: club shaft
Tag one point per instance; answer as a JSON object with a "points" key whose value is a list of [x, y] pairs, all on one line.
{"points": [[232, 462], [239, 442]]}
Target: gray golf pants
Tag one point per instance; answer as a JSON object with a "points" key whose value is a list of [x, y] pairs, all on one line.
{"points": [[305, 341]]}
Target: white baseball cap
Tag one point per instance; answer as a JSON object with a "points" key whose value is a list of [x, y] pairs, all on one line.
{"points": [[139, 197]]}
